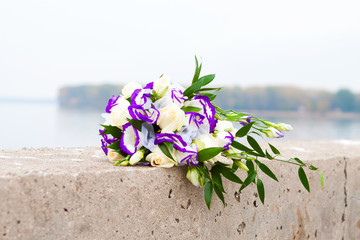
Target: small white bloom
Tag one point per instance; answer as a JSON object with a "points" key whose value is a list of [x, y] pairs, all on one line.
{"points": [[129, 88], [171, 118], [114, 156], [227, 126], [158, 159], [136, 157], [162, 85], [119, 113], [284, 127]]}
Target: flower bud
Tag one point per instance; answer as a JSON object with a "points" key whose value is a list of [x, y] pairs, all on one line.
{"points": [[136, 157], [200, 145], [272, 132], [242, 165], [284, 127], [194, 177], [124, 163]]}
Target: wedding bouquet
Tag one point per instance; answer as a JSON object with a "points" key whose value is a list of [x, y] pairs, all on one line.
{"points": [[164, 125]]}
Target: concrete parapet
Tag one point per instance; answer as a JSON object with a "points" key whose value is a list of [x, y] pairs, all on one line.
{"points": [[75, 193]]}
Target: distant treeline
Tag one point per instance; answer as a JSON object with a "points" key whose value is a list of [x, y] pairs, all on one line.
{"points": [[254, 98]]}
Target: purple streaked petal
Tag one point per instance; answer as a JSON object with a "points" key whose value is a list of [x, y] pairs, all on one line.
{"points": [[179, 143], [196, 118], [209, 111], [177, 95], [111, 103], [130, 139], [230, 138], [191, 158], [140, 97], [150, 85]]}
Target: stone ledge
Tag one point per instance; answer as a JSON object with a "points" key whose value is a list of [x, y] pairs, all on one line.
{"points": [[68, 193]]}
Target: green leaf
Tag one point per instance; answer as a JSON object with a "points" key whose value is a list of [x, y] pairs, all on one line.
{"points": [[197, 71], [169, 145], [114, 131], [208, 191], [198, 84], [234, 167], [166, 151], [299, 161], [136, 123], [114, 145], [216, 177], [250, 178], [219, 194], [312, 167], [191, 109], [240, 146], [210, 89], [261, 190], [268, 156], [274, 149], [208, 153], [303, 179], [227, 173], [253, 143], [250, 165], [244, 130], [266, 170], [321, 179]]}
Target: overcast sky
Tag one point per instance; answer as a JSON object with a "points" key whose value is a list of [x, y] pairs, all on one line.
{"points": [[48, 44]]}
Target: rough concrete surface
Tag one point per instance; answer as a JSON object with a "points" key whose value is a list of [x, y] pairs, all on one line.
{"points": [[75, 193]]}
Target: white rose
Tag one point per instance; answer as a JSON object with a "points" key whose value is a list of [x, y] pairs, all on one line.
{"points": [[171, 118], [119, 113], [158, 159], [227, 126], [114, 156], [129, 88], [161, 85]]}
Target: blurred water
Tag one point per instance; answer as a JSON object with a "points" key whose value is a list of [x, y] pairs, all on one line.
{"points": [[46, 125]]}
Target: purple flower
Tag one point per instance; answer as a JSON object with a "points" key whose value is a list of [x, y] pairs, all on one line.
{"points": [[209, 110], [106, 141], [179, 143], [130, 139], [191, 158], [177, 95], [140, 97], [111, 103], [137, 112], [196, 118]]}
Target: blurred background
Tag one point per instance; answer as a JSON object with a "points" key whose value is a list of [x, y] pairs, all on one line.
{"points": [[290, 61]]}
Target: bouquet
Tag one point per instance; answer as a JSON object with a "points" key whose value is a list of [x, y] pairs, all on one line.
{"points": [[165, 125]]}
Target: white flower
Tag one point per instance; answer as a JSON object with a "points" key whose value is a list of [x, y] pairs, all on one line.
{"points": [[162, 85], [284, 127], [194, 177], [119, 113], [114, 156], [226, 126], [129, 88], [134, 159], [158, 159], [171, 118]]}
